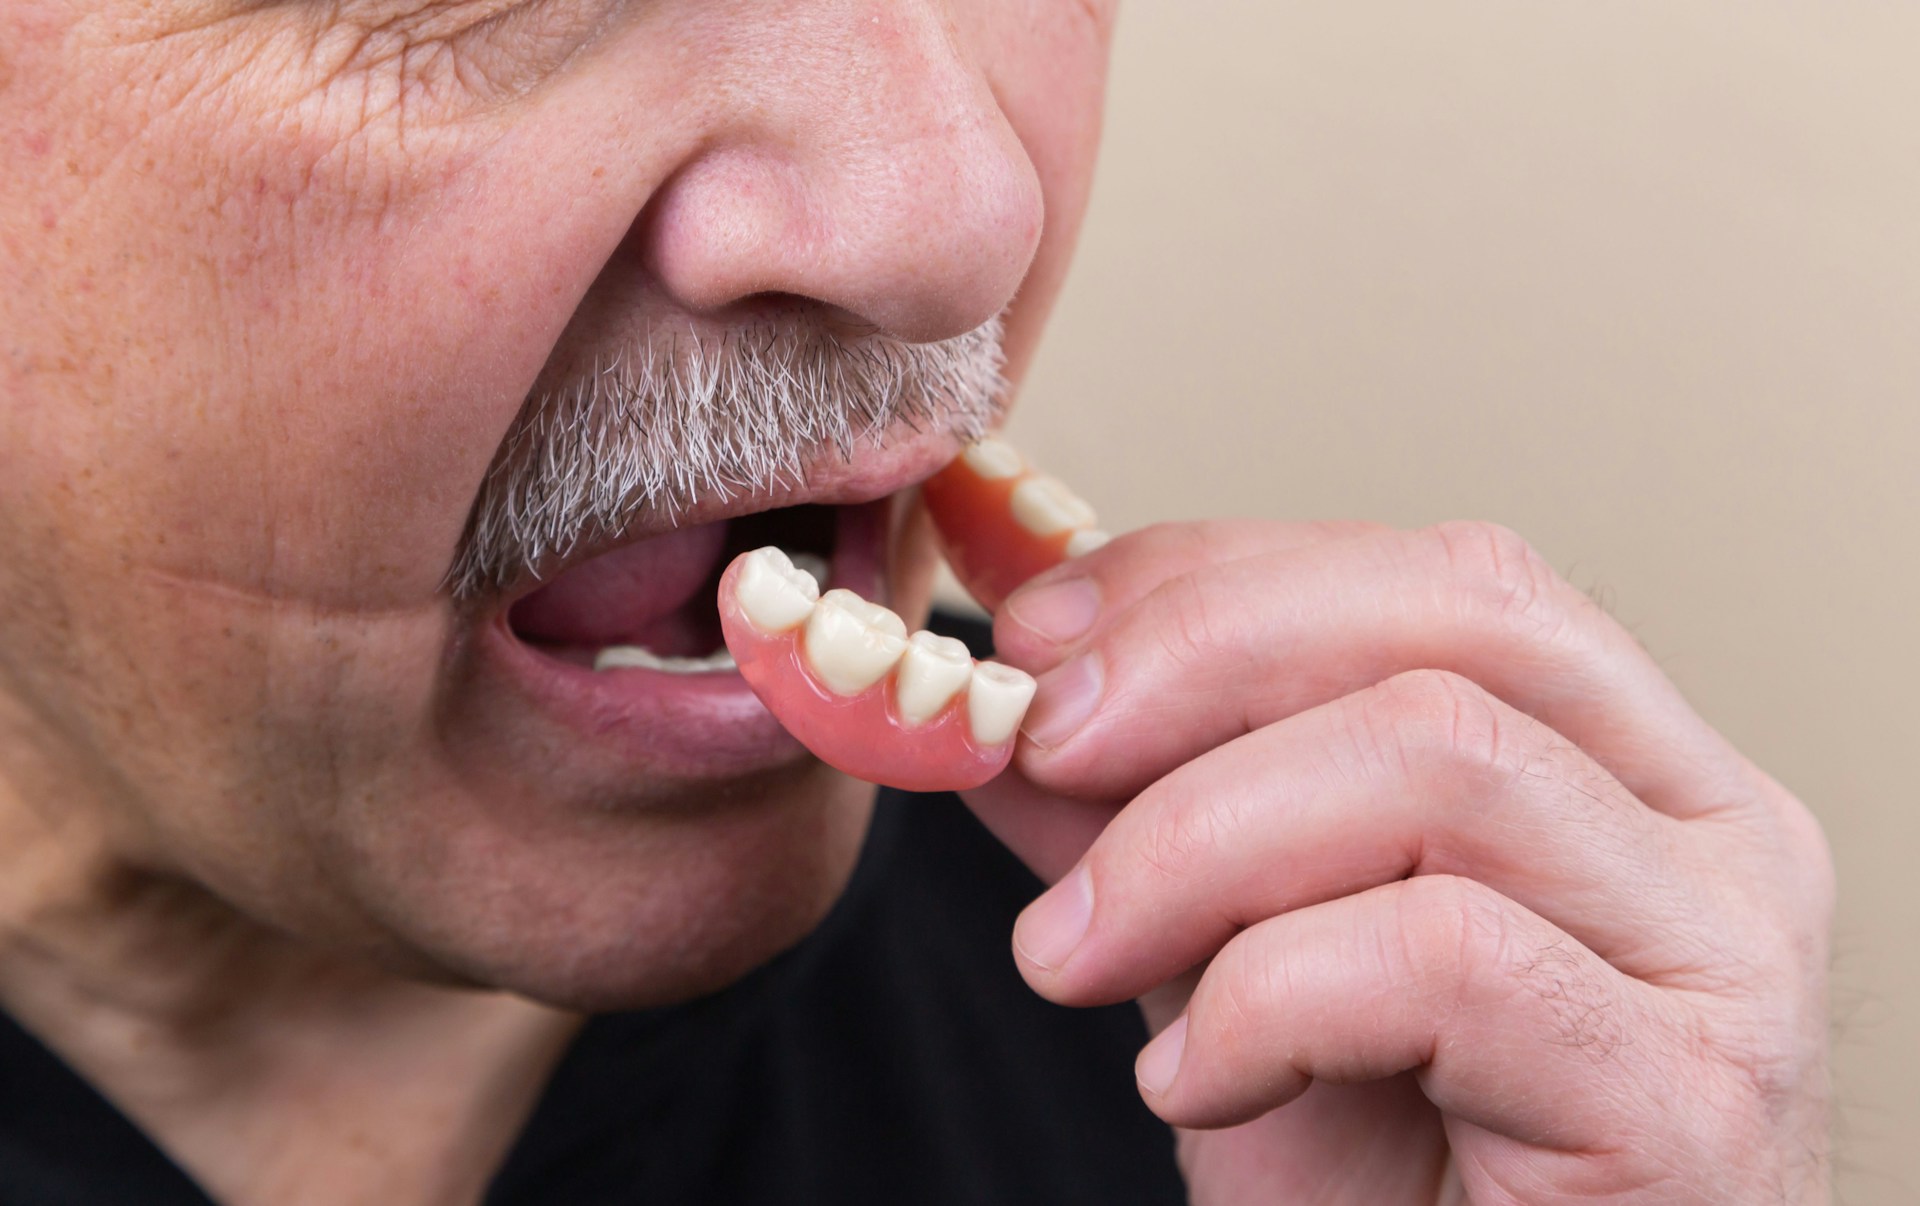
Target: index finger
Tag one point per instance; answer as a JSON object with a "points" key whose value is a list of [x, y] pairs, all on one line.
{"points": [[1228, 648]]}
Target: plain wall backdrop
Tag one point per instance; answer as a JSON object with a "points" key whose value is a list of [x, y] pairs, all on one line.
{"points": [[1640, 279]]}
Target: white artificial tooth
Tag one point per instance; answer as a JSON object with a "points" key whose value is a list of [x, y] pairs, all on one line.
{"points": [[812, 564], [635, 657], [625, 657], [1045, 507], [997, 701], [933, 671], [775, 594], [851, 643], [993, 459], [1085, 541]]}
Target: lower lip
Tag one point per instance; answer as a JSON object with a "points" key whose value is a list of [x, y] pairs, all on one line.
{"points": [[689, 726]]}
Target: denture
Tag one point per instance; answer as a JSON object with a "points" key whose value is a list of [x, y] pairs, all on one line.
{"points": [[846, 679], [844, 676], [1001, 522]]}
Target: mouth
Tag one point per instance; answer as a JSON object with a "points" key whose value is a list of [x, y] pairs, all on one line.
{"points": [[616, 651], [651, 605]]}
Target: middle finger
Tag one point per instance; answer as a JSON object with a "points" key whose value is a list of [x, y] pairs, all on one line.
{"points": [[1423, 774]]}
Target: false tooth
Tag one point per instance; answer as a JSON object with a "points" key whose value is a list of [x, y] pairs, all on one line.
{"points": [[775, 594], [994, 460], [1045, 507], [997, 701], [635, 657], [1085, 541], [933, 671], [851, 643]]}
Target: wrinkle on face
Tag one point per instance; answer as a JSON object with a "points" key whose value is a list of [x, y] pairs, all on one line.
{"points": [[386, 67]]}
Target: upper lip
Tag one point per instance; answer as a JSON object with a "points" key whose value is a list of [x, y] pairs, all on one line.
{"points": [[878, 466]]}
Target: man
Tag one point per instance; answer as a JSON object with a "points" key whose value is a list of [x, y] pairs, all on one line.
{"points": [[368, 364]]}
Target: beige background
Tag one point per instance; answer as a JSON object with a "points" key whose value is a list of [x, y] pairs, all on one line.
{"points": [[1641, 279]]}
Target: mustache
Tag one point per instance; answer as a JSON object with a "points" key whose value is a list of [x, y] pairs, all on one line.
{"points": [[651, 428]]}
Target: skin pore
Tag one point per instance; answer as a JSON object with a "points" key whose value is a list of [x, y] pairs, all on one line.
{"points": [[285, 275]]}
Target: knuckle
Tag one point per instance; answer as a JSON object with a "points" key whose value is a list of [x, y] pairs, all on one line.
{"points": [[1500, 573], [1786, 875], [1776, 1057], [1420, 716], [1187, 836], [1452, 930], [1195, 631], [1810, 868], [1247, 982]]}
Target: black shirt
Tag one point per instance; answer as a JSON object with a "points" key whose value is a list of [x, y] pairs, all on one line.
{"points": [[895, 1057]]}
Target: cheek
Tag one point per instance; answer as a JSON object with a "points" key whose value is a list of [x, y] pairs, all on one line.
{"points": [[255, 351]]}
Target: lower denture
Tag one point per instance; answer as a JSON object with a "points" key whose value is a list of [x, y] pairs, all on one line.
{"points": [[842, 675], [850, 711]]}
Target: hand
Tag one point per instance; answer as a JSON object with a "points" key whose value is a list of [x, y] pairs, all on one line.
{"points": [[1421, 846]]}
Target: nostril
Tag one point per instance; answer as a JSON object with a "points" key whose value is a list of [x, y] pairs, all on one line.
{"points": [[775, 305]]}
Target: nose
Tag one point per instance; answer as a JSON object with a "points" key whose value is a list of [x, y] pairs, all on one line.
{"points": [[861, 161]]}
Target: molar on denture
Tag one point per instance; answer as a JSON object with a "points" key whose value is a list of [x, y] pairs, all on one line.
{"points": [[850, 643], [775, 594], [933, 670], [1044, 506], [997, 699]]}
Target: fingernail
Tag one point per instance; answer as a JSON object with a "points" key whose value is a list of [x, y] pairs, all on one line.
{"points": [[1051, 927], [1058, 611], [1159, 1061], [1066, 697]]}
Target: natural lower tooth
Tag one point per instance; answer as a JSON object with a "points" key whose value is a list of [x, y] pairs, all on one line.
{"points": [[851, 643], [1045, 507], [1085, 541], [634, 657], [775, 594], [993, 459], [997, 701], [933, 671]]}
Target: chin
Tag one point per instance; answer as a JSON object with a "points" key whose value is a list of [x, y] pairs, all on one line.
{"points": [[629, 904], [604, 839]]}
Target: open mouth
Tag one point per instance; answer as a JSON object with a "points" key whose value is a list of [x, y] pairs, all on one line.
{"points": [[650, 606], [613, 670]]}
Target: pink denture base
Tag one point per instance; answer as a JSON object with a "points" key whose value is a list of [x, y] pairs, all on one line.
{"points": [[862, 734]]}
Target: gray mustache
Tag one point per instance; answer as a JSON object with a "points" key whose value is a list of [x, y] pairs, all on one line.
{"points": [[656, 427]]}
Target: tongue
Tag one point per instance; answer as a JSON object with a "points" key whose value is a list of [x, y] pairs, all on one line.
{"points": [[636, 595]]}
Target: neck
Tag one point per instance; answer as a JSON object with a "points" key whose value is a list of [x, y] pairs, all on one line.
{"points": [[270, 1071]]}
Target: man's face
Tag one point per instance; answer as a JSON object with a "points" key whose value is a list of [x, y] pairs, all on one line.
{"points": [[282, 278]]}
